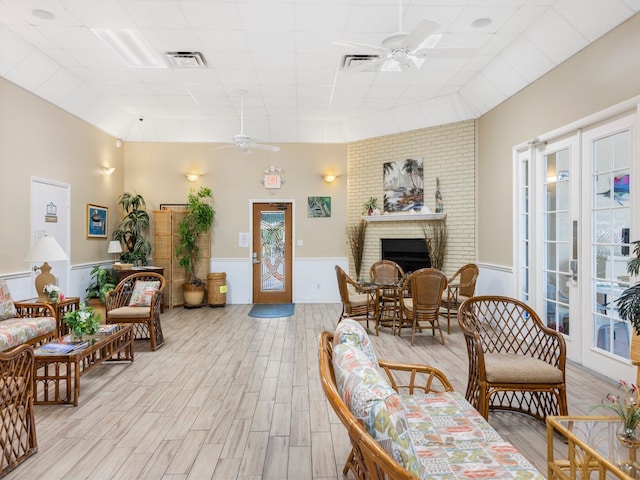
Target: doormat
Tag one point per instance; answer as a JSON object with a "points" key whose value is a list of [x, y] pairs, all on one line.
{"points": [[272, 310]]}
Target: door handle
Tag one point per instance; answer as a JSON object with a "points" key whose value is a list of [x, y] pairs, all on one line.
{"points": [[254, 258]]}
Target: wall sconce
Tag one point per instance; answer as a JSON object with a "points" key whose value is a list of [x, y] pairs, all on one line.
{"points": [[329, 177], [118, 143], [192, 177], [108, 170]]}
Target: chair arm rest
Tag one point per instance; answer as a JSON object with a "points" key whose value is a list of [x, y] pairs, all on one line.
{"points": [[34, 309], [412, 377]]}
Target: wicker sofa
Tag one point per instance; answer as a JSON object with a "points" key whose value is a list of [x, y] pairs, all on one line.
{"points": [[24, 323], [410, 424]]}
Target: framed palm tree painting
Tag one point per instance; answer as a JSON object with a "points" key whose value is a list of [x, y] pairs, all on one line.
{"points": [[403, 185]]}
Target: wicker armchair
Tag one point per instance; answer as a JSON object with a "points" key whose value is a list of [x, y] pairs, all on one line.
{"points": [[461, 285], [18, 427], [145, 319], [426, 286], [368, 460], [515, 362], [358, 305]]}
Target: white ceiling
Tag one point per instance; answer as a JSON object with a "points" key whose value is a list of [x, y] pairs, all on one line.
{"points": [[283, 54]]}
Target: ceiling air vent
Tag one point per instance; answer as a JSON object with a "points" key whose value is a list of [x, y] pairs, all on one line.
{"points": [[351, 62], [186, 59]]}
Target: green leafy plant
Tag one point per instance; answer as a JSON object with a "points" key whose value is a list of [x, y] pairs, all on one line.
{"points": [[369, 205], [101, 283], [82, 321], [628, 302], [198, 220], [132, 231]]}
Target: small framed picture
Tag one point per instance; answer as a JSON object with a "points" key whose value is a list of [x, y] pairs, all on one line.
{"points": [[97, 221], [318, 207]]}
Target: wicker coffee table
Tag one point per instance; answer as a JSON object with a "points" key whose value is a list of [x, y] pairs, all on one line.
{"points": [[56, 373]]}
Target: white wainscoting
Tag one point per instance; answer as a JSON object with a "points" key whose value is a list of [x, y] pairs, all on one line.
{"points": [[495, 280], [314, 279]]}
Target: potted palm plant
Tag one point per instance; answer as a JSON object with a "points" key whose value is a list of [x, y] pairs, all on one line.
{"points": [[629, 301], [197, 221], [131, 233]]}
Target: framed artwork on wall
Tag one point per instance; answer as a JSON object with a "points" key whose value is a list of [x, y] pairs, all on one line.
{"points": [[403, 185], [97, 221], [318, 207]]}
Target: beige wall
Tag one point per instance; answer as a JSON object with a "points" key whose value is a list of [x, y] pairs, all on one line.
{"points": [[156, 170], [448, 153], [605, 73], [38, 139]]}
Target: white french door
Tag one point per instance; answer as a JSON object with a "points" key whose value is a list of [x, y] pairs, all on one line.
{"points": [[576, 218], [557, 170], [608, 158]]}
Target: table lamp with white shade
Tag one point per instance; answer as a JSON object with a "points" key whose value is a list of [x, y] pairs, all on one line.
{"points": [[46, 249], [115, 248]]}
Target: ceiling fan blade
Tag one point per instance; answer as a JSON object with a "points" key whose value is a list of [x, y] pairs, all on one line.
{"points": [[264, 146], [369, 66], [420, 33], [222, 147], [362, 46], [445, 53]]}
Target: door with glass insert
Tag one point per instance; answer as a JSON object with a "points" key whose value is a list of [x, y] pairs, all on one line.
{"points": [[608, 150], [272, 253], [560, 180]]}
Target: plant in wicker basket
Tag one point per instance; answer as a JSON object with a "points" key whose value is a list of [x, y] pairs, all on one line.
{"points": [[355, 238], [435, 236]]}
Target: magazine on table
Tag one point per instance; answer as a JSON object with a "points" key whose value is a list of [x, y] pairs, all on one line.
{"points": [[63, 347]]}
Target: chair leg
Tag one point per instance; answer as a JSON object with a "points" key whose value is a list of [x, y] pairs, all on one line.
{"points": [[448, 319], [413, 329]]}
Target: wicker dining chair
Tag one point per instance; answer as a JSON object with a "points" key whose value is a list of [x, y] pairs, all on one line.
{"points": [[125, 304], [357, 303], [389, 276], [426, 286], [460, 286], [515, 362], [18, 425]]}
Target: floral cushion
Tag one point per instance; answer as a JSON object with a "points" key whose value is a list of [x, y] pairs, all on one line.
{"points": [[452, 440], [143, 292], [372, 400], [7, 308], [351, 332], [16, 331]]}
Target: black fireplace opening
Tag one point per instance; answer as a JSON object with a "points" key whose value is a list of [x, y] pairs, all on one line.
{"points": [[410, 253]]}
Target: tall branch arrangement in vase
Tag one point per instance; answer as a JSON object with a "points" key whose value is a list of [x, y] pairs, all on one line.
{"points": [[435, 236], [355, 238]]}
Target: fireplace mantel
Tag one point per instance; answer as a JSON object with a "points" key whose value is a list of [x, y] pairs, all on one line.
{"points": [[404, 217]]}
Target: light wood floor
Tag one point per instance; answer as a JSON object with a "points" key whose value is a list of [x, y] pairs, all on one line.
{"points": [[234, 397]]}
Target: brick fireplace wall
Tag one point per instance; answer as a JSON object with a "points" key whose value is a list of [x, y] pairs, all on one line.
{"points": [[448, 152]]}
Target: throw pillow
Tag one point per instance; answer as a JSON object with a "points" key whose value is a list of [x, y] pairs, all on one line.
{"points": [[351, 332], [7, 308], [143, 292]]}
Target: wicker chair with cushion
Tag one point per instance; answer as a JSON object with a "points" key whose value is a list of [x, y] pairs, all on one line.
{"points": [[356, 303], [18, 426], [461, 285], [426, 286], [515, 362], [137, 299]]}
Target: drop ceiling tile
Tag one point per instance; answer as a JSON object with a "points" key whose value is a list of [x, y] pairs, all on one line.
{"points": [[98, 14], [228, 41], [155, 13], [408, 117], [320, 17], [555, 37], [34, 70], [593, 18], [266, 16], [58, 86], [527, 59], [63, 16], [13, 51], [171, 40], [504, 77], [212, 15]]}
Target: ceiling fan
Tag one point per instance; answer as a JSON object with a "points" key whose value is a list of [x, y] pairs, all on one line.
{"points": [[403, 51], [244, 142]]}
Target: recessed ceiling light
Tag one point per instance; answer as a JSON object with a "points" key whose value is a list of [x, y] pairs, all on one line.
{"points": [[481, 22], [43, 14]]}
